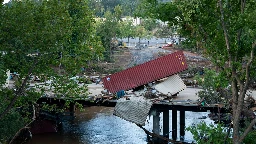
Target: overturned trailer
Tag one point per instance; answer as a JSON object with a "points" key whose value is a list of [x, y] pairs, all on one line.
{"points": [[148, 72]]}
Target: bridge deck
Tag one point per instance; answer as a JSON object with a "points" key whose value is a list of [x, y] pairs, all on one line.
{"points": [[179, 105]]}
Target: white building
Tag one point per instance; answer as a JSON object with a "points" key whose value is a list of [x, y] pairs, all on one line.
{"points": [[135, 21]]}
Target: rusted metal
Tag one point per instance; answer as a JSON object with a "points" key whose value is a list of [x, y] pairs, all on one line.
{"points": [[147, 72]]}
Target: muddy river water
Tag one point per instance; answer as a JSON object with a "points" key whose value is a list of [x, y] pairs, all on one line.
{"points": [[98, 125]]}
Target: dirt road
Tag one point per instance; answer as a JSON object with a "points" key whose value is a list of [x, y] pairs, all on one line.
{"points": [[145, 55]]}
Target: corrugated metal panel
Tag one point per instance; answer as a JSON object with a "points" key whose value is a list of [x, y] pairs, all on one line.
{"points": [[171, 85], [134, 110], [146, 72]]}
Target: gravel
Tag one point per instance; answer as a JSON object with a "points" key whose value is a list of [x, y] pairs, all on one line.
{"points": [[144, 55]]}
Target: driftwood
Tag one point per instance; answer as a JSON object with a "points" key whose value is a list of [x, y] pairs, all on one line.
{"points": [[158, 136]]}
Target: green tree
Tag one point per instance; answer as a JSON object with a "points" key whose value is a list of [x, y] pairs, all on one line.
{"points": [[126, 28], [97, 7], [140, 32], [208, 134], [166, 12], [214, 87], [228, 37], [107, 29], [164, 31], [129, 7], [226, 32], [110, 5], [149, 24], [46, 39], [101, 6]]}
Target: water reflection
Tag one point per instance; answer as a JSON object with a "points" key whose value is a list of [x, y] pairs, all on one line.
{"points": [[98, 125]]}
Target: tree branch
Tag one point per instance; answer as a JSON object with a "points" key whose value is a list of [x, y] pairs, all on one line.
{"points": [[19, 91], [234, 96], [242, 5], [240, 30], [247, 130], [19, 132], [245, 89], [225, 30], [247, 75], [240, 83]]}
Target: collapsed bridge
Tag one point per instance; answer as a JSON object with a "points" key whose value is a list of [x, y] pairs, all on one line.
{"points": [[136, 109]]}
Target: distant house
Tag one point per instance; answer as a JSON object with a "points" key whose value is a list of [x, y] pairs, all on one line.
{"points": [[135, 21]]}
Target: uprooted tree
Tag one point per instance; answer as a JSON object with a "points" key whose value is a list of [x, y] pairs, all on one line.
{"points": [[50, 39], [226, 33]]}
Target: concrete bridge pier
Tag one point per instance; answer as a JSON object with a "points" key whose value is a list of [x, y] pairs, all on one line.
{"points": [[174, 124], [182, 125], [72, 109], [166, 123], [156, 125]]}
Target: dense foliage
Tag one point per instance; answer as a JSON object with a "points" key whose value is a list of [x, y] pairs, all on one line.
{"points": [[208, 134], [52, 40], [225, 32], [215, 87], [100, 7]]}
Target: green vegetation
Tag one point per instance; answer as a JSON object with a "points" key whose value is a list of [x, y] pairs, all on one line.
{"points": [[225, 32], [215, 87], [54, 39], [49, 39], [208, 134], [100, 7], [107, 30]]}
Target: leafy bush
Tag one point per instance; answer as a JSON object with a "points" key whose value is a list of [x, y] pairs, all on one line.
{"points": [[214, 87], [9, 125], [209, 134], [250, 138]]}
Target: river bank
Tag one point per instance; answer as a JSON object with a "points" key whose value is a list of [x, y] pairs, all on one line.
{"points": [[98, 125]]}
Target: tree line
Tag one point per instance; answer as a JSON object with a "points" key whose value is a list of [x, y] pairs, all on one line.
{"points": [[224, 31], [54, 39]]}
